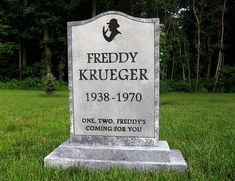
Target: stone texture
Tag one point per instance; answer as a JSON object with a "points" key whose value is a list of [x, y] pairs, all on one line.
{"points": [[141, 151], [101, 157], [138, 35]]}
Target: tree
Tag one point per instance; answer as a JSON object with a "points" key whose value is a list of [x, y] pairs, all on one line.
{"points": [[94, 4], [198, 8], [7, 49], [165, 52], [221, 53], [197, 36]]}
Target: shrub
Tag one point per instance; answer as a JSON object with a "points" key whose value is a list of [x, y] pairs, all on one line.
{"points": [[49, 84], [31, 83], [181, 86], [226, 82], [175, 86], [35, 83], [35, 70], [12, 84], [165, 86]]}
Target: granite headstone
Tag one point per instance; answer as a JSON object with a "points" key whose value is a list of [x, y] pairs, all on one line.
{"points": [[113, 62]]}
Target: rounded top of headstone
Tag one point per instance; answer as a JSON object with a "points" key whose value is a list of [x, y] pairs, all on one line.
{"points": [[114, 21]]}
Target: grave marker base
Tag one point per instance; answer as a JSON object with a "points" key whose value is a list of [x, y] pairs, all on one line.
{"points": [[102, 157]]}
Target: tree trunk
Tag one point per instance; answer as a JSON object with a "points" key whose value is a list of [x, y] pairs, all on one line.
{"points": [[221, 53], [188, 66], [132, 7], [47, 51], [209, 60], [62, 65], [180, 52], [173, 66], [94, 5], [25, 2], [198, 56], [20, 60], [208, 69], [198, 45], [22, 57], [61, 69], [24, 54], [163, 74], [169, 26], [22, 50]]}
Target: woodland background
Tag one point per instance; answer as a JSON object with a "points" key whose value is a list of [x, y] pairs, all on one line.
{"points": [[197, 40]]}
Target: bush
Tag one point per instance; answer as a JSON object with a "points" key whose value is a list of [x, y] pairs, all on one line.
{"points": [[226, 82], [35, 70], [35, 83], [28, 83], [32, 83], [49, 84], [175, 86], [12, 84], [165, 86], [181, 86]]}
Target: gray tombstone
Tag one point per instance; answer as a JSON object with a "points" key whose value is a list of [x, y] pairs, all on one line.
{"points": [[114, 96]]}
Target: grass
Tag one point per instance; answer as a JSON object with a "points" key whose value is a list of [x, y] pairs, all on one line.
{"points": [[202, 126]]}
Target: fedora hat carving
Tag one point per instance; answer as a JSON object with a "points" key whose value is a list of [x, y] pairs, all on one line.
{"points": [[113, 23]]}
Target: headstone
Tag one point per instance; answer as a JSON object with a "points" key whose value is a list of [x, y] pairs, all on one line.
{"points": [[114, 96]]}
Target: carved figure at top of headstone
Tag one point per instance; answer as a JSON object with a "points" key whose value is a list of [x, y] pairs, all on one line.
{"points": [[113, 25]]}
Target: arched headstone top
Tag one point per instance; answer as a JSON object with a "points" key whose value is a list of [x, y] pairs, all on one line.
{"points": [[111, 13]]}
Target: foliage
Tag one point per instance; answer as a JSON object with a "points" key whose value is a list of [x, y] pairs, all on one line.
{"points": [[26, 84], [35, 70], [226, 81], [7, 48], [175, 86], [12, 84], [31, 83], [199, 125], [33, 37], [181, 86], [49, 84], [165, 50], [165, 86]]}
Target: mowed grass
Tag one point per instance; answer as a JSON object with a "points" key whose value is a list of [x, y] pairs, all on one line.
{"points": [[202, 126]]}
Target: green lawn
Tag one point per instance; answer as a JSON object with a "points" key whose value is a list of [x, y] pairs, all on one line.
{"points": [[202, 126]]}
